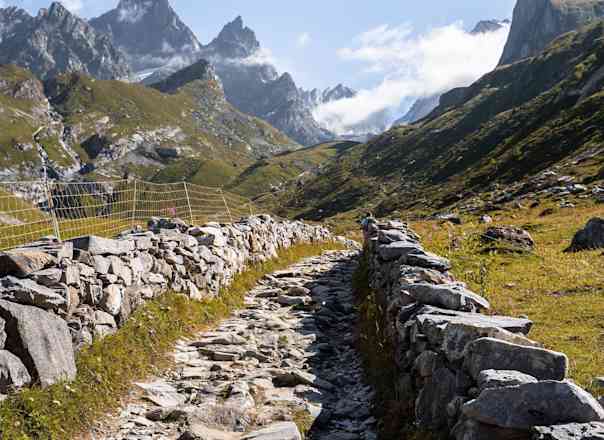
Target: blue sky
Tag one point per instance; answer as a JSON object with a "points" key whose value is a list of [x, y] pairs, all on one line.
{"points": [[324, 26]]}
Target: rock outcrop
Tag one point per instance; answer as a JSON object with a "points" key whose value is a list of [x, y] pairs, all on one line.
{"points": [[55, 297], [57, 41], [537, 23], [468, 375]]}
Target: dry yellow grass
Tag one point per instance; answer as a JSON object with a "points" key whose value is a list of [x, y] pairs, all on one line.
{"points": [[562, 293]]}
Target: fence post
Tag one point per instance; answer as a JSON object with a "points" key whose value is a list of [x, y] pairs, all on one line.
{"points": [[226, 205], [188, 202], [134, 205], [51, 208]]}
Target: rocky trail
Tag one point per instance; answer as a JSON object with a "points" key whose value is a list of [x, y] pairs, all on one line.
{"points": [[285, 362]]}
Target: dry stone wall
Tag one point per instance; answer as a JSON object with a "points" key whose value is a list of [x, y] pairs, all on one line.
{"points": [[56, 297], [469, 375]]}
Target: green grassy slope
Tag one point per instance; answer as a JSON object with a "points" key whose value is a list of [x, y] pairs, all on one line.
{"points": [[20, 109], [196, 119], [273, 172], [511, 124]]}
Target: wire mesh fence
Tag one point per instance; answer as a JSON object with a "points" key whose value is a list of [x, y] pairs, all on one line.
{"points": [[32, 210]]}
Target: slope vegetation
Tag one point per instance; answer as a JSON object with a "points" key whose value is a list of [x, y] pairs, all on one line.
{"points": [[490, 139], [104, 128]]}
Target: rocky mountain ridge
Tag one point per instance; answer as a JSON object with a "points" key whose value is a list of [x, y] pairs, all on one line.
{"points": [[57, 41], [537, 23], [149, 32]]}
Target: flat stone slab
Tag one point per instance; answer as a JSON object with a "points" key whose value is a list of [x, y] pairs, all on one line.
{"points": [[433, 322], [398, 249], [458, 335], [488, 354], [28, 292], [502, 378], [103, 246], [22, 263], [534, 404], [448, 296]]}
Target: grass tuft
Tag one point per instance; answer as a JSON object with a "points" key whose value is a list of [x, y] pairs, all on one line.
{"points": [[141, 348]]}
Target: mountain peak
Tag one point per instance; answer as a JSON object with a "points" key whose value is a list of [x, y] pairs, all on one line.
{"points": [[150, 32], [236, 40]]}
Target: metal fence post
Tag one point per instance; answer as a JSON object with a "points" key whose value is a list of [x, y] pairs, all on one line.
{"points": [[188, 202], [134, 206], [51, 208], [226, 205]]}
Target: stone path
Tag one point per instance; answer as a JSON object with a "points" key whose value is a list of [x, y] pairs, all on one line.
{"points": [[288, 357]]}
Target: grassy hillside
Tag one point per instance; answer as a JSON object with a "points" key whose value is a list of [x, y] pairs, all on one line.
{"points": [[487, 140], [272, 173], [22, 112], [155, 134]]}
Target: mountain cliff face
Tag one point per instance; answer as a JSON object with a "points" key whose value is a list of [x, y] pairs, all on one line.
{"points": [[57, 41], [149, 32], [537, 23]]}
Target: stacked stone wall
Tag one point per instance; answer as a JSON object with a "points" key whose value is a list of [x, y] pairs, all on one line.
{"points": [[56, 297], [469, 375]]}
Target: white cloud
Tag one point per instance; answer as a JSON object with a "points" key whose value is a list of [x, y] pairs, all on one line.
{"points": [[73, 5], [412, 67], [303, 40]]}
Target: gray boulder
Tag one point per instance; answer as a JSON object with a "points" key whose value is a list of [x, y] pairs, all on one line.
{"points": [[13, 373], [502, 378], [103, 246], [572, 431], [516, 237], [22, 263], [276, 431], [41, 340], [590, 237], [489, 354], [448, 296], [534, 404]]}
